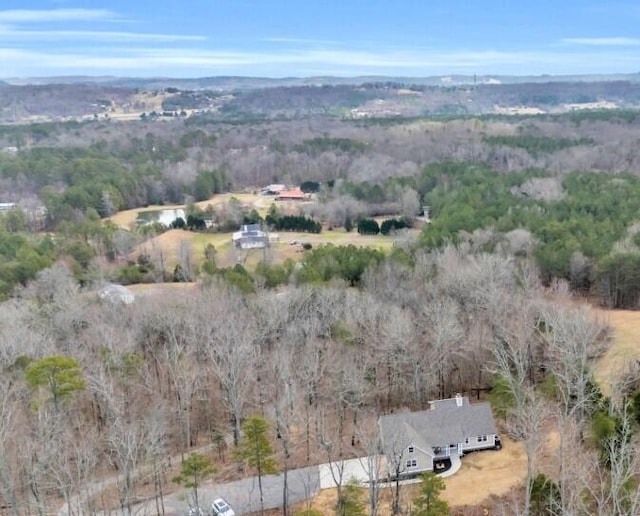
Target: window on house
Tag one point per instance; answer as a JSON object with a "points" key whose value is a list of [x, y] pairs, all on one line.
{"points": [[412, 463], [482, 438], [410, 449]]}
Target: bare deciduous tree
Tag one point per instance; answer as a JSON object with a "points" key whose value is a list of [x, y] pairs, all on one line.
{"points": [[127, 445], [232, 352], [373, 461], [526, 409]]}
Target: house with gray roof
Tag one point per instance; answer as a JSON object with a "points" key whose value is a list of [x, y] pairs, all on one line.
{"points": [[250, 236], [415, 442], [116, 294]]}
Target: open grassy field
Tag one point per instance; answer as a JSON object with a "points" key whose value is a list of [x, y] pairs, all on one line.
{"points": [[279, 251], [127, 218], [624, 348]]}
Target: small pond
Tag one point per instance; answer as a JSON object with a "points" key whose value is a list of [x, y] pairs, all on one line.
{"points": [[165, 217]]}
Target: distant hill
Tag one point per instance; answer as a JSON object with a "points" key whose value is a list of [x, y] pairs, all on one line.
{"points": [[232, 98], [58, 101], [229, 83], [397, 99]]}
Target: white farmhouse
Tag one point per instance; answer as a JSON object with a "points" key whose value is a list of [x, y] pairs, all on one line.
{"points": [[250, 236]]}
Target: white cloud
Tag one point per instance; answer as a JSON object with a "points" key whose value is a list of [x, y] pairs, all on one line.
{"points": [[302, 41], [604, 42], [8, 33], [173, 61], [55, 15]]}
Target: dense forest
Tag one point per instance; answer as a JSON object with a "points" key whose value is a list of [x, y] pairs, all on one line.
{"points": [[319, 363], [475, 242]]}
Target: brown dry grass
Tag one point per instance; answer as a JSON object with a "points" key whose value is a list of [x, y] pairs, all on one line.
{"points": [[624, 348], [482, 475], [487, 473], [127, 218], [170, 241], [283, 249]]}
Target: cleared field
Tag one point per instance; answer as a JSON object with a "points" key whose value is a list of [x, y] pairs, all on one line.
{"points": [[624, 349], [127, 218], [169, 244]]}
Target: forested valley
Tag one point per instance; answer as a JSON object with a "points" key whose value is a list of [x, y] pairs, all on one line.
{"points": [[442, 253]]}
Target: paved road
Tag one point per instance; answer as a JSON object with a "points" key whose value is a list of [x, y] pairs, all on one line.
{"points": [[244, 495], [95, 487], [357, 469]]}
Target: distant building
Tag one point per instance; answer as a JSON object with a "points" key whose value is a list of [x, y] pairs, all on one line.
{"points": [[113, 293], [273, 189], [250, 236], [295, 194], [8, 206]]}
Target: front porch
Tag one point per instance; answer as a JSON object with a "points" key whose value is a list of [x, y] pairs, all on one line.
{"points": [[441, 452]]}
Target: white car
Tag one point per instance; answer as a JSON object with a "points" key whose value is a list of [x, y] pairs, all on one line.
{"points": [[221, 508]]}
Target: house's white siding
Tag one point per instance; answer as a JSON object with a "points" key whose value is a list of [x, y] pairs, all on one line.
{"points": [[423, 462], [475, 444], [252, 244]]}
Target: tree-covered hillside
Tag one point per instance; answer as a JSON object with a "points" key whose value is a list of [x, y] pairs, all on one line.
{"points": [[595, 212]]}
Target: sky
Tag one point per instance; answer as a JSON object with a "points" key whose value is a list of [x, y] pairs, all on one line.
{"points": [[285, 38]]}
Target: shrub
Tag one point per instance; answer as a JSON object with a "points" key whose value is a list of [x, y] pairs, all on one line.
{"points": [[392, 225], [368, 227]]}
